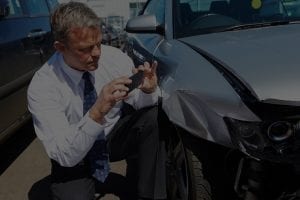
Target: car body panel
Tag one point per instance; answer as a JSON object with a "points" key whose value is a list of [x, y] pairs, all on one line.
{"points": [[25, 44], [197, 109], [17, 49], [269, 45]]}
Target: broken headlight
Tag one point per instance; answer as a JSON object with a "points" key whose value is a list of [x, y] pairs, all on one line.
{"points": [[275, 140]]}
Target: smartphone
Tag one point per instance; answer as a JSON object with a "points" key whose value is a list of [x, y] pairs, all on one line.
{"points": [[136, 80]]}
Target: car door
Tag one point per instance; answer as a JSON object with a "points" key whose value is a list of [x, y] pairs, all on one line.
{"points": [[25, 44]]}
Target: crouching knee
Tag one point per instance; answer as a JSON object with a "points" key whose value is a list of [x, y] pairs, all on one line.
{"points": [[83, 189]]}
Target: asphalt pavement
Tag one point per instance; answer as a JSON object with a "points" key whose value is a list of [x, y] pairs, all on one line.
{"points": [[25, 169]]}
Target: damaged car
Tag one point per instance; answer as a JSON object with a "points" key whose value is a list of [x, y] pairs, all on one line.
{"points": [[229, 72]]}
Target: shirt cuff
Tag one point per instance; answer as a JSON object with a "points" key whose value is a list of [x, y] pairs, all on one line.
{"points": [[92, 128], [150, 98]]}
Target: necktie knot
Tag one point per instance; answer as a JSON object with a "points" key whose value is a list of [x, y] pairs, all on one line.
{"points": [[86, 75]]}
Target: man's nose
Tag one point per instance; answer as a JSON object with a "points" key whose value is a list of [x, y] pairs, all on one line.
{"points": [[96, 51]]}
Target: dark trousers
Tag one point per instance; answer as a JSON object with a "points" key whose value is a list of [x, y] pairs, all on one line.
{"points": [[136, 134]]}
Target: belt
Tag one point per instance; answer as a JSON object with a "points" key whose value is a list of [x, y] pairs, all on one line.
{"points": [[64, 174]]}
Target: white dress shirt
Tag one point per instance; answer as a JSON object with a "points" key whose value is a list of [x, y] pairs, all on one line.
{"points": [[55, 99]]}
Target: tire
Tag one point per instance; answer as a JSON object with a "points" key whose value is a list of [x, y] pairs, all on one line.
{"points": [[200, 187], [185, 180]]}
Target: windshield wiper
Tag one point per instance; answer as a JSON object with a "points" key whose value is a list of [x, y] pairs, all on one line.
{"points": [[256, 25]]}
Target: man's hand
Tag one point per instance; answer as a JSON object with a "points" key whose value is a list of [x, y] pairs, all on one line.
{"points": [[110, 94], [149, 82]]}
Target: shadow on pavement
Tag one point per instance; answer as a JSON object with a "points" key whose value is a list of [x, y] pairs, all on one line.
{"points": [[15, 145], [115, 184]]}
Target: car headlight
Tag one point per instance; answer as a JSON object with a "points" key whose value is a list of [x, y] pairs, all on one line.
{"points": [[276, 140], [280, 131]]}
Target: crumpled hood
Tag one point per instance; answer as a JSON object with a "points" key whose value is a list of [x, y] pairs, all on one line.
{"points": [[266, 59]]}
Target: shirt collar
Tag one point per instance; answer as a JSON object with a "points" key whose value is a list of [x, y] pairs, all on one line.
{"points": [[73, 74]]}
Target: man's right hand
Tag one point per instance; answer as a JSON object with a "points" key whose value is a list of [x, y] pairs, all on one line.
{"points": [[110, 94]]}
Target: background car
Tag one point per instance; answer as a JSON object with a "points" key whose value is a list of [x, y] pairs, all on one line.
{"points": [[229, 74], [110, 36], [25, 44]]}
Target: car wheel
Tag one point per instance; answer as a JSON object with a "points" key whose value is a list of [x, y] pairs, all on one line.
{"points": [[185, 179]]}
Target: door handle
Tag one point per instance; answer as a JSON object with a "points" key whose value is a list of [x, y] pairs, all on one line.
{"points": [[36, 33]]}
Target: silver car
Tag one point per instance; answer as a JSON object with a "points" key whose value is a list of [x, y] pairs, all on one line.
{"points": [[230, 78]]}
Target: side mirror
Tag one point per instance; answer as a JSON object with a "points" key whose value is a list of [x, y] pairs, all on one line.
{"points": [[144, 24], [4, 8]]}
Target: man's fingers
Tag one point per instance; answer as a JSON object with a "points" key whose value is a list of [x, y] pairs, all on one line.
{"points": [[116, 85], [154, 66], [119, 95], [114, 97], [140, 68], [119, 84], [150, 69], [147, 65], [122, 80], [134, 70]]}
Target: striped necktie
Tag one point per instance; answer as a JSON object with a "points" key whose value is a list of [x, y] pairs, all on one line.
{"points": [[98, 155]]}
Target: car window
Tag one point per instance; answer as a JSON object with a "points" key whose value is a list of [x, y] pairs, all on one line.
{"points": [[15, 8], [194, 17], [37, 7], [292, 7], [157, 8]]}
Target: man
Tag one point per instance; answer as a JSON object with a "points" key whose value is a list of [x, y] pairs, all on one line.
{"points": [[79, 101]]}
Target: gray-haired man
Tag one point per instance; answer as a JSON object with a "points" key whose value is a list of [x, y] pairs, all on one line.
{"points": [[79, 103]]}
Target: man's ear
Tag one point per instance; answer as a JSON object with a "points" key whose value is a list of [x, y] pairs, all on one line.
{"points": [[59, 46]]}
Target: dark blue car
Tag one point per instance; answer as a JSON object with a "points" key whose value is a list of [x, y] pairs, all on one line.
{"points": [[25, 44]]}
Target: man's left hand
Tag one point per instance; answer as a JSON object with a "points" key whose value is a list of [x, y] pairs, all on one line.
{"points": [[149, 82]]}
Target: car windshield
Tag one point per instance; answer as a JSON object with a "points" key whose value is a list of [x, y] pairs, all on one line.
{"points": [[194, 17]]}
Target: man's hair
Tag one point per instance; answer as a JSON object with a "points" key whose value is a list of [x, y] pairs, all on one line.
{"points": [[72, 15]]}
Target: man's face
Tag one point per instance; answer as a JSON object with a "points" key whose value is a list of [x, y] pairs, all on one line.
{"points": [[82, 49]]}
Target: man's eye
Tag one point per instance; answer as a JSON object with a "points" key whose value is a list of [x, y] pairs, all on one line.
{"points": [[89, 49], [85, 50]]}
